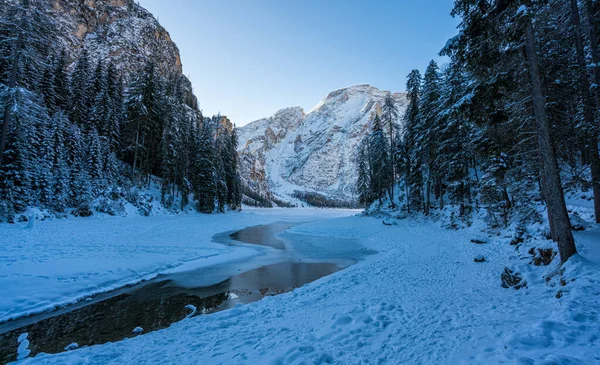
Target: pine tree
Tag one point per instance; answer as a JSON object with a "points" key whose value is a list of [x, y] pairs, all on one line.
{"points": [[18, 171], [203, 171], [363, 183], [114, 120], [80, 90], [389, 113], [61, 88], [379, 160], [222, 169], [27, 32], [591, 126], [412, 173], [94, 164], [61, 188], [428, 130], [236, 183], [100, 111], [492, 63], [47, 86]]}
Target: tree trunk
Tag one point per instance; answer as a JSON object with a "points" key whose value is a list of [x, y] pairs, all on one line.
{"points": [[11, 85], [551, 184], [427, 196], [392, 162], [407, 188], [135, 154], [595, 163], [475, 169], [594, 46]]}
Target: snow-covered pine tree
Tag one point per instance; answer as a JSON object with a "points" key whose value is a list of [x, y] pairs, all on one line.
{"points": [[27, 34], [363, 182], [94, 164], [114, 121], [428, 131], [591, 126], [47, 86], [203, 170], [80, 91], [169, 155], [61, 190], [379, 160], [61, 88], [389, 114], [412, 174], [455, 149], [100, 110], [482, 22], [139, 94], [236, 183], [222, 169]]}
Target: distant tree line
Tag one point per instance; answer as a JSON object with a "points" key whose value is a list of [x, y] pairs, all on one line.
{"points": [[255, 199], [511, 119], [322, 201], [74, 131]]}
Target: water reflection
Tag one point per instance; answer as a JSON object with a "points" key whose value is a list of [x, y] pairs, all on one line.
{"points": [[153, 306], [265, 235]]}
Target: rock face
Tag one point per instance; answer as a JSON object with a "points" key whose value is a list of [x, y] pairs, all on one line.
{"points": [[257, 139], [121, 31], [314, 152]]}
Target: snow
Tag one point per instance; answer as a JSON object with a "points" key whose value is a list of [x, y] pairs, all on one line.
{"points": [[58, 262], [22, 350], [421, 299], [522, 10], [192, 310], [72, 346]]}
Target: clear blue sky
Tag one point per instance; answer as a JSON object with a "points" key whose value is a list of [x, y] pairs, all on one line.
{"points": [[249, 58]]}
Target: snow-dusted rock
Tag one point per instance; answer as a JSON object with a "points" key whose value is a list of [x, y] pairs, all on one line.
{"points": [[72, 346], [23, 350]]}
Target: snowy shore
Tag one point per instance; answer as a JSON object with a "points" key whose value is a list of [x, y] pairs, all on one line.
{"points": [[422, 300]]}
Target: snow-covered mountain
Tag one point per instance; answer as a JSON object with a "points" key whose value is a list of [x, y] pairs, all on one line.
{"points": [[312, 152]]}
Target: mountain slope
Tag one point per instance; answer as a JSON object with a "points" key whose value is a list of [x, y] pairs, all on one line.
{"points": [[315, 152]]}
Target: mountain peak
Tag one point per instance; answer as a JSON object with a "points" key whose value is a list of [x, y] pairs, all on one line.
{"points": [[365, 88]]}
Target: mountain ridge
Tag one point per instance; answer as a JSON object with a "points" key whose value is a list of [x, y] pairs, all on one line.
{"points": [[313, 152]]}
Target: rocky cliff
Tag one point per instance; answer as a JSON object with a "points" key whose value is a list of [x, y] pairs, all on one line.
{"points": [[312, 152], [123, 32]]}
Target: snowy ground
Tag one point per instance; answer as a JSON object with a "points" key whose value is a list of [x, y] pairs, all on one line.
{"points": [[421, 300], [61, 261]]}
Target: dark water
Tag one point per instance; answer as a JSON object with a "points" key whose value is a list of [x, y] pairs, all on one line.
{"points": [[263, 235], [158, 303]]}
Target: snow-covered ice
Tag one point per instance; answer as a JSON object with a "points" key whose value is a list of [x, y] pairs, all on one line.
{"points": [[422, 299], [58, 262]]}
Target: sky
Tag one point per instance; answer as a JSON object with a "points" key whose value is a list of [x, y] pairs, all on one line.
{"points": [[249, 58]]}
